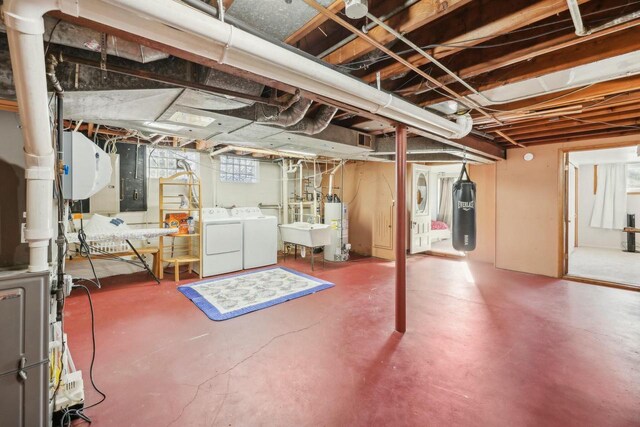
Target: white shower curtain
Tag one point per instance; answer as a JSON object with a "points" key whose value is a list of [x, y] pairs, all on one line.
{"points": [[445, 208], [610, 205]]}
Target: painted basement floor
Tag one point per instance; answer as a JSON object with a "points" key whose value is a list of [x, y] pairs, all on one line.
{"points": [[483, 347]]}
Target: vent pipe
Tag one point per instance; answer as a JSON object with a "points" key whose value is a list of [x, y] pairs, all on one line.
{"points": [[581, 30], [240, 49], [174, 24], [316, 124], [272, 115]]}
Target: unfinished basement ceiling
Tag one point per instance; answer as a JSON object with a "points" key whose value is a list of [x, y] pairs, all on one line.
{"points": [[276, 18], [494, 49]]}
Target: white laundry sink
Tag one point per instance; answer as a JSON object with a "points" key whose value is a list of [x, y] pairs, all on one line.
{"points": [[305, 234]]}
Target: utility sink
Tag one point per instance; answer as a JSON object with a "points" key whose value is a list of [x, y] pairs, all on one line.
{"points": [[305, 234]]}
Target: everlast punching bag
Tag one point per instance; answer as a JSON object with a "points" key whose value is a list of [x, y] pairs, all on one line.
{"points": [[464, 212]]}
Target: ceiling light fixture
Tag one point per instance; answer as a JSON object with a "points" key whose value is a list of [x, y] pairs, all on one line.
{"points": [[528, 157], [356, 9], [163, 126], [302, 153], [191, 119]]}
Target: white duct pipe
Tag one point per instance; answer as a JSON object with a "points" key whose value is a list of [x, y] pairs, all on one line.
{"points": [[576, 16], [285, 192], [25, 27], [581, 31], [331, 175], [237, 48], [240, 49], [315, 193], [301, 213]]}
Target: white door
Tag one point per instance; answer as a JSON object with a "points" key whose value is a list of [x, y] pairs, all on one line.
{"points": [[420, 218]]}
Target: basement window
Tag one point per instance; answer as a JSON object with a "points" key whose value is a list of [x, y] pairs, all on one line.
{"points": [[633, 178], [163, 162], [238, 169]]}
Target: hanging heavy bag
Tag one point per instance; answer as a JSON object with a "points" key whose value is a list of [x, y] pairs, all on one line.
{"points": [[464, 212]]}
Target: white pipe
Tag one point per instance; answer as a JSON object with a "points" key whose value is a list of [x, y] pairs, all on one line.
{"points": [[25, 27], [285, 192], [576, 16], [301, 213], [581, 31], [315, 194], [333, 172], [240, 49], [174, 24]]}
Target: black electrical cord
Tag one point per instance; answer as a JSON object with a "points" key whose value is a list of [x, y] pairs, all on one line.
{"points": [[66, 417], [85, 250]]}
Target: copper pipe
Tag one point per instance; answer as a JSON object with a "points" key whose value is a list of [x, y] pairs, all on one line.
{"points": [[401, 228]]}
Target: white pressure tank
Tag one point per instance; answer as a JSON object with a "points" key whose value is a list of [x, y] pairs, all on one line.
{"points": [[336, 215]]}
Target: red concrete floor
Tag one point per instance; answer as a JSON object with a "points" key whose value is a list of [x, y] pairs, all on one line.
{"points": [[484, 347]]}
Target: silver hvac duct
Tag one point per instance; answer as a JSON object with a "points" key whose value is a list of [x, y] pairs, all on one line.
{"points": [[268, 114], [66, 34], [315, 124]]}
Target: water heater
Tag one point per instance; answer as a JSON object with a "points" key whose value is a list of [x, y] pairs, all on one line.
{"points": [[336, 215]]}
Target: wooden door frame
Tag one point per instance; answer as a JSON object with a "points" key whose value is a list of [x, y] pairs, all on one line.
{"points": [[563, 158], [426, 170]]}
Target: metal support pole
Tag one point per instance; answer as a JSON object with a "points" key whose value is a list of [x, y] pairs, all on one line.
{"points": [[401, 229]]}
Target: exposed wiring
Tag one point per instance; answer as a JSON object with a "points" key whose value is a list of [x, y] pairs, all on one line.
{"points": [[46, 50], [69, 413], [594, 122], [349, 66], [84, 247]]}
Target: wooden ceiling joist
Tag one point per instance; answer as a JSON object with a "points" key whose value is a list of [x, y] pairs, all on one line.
{"points": [[410, 19], [556, 122], [527, 16], [582, 126], [594, 92], [478, 66], [313, 23], [601, 134]]}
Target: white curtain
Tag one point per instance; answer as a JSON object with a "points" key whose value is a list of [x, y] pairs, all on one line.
{"points": [[610, 205], [445, 210]]}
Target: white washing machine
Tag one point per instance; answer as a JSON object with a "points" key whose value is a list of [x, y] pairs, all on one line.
{"points": [[222, 242], [260, 240]]}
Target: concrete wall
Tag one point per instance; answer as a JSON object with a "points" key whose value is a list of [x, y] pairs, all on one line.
{"points": [[12, 192]]}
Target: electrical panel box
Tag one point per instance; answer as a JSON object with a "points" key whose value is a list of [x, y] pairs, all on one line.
{"points": [[24, 349], [133, 177], [87, 169], [107, 200]]}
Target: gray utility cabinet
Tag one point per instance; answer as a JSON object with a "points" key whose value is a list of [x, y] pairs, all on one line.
{"points": [[24, 349]]}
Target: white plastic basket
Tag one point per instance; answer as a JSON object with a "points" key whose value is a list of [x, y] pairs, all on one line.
{"points": [[108, 246], [71, 391]]}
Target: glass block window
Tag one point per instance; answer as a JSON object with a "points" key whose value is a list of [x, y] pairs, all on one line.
{"points": [[163, 162], [239, 169]]}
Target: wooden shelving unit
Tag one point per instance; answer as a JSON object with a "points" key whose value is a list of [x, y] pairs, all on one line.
{"points": [[180, 249]]}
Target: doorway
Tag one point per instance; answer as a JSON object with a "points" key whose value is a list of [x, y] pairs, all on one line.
{"points": [[602, 203], [433, 187]]}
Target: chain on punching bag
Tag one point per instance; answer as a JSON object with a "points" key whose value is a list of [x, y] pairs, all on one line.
{"points": [[464, 212]]}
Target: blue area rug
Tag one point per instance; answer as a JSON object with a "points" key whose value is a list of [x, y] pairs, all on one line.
{"points": [[231, 296]]}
